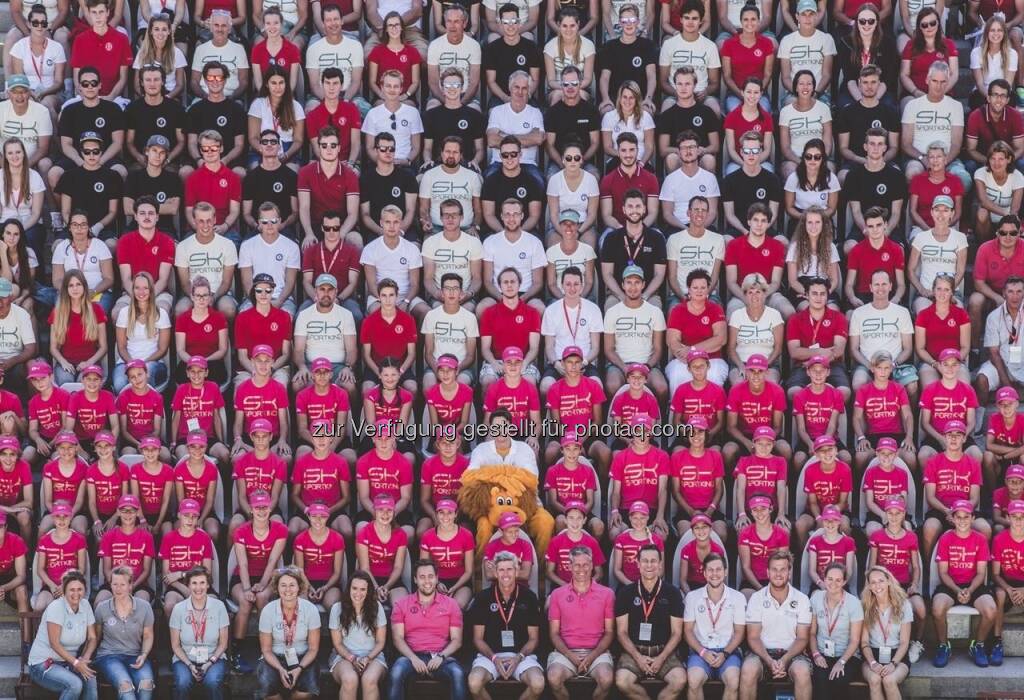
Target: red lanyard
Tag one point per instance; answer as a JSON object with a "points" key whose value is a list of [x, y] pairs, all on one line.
{"points": [[575, 327], [506, 619], [713, 619], [646, 607], [36, 66], [198, 627], [290, 626], [833, 621], [323, 261], [884, 628]]}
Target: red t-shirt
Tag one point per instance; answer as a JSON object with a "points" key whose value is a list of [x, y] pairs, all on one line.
{"points": [[866, 261], [828, 552], [449, 555], [990, 266], [261, 402], [449, 411], [126, 549], [13, 482], [217, 188], [625, 406], [257, 551], [695, 568], [519, 401], [64, 487], [696, 328], [321, 479], [384, 475], [509, 327], [629, 548], [182, 553], [385, 409], [196, 487], [226, 5], [260, 473], [941, 333], [76, 348], [575, 404], [740, 125], [327, 193], [823, 333], [747, 61], [763, 475], [948, 404], [895, 555], [828, 486], [444, 479], [615, 184], [921, 62], [952, 480], [1001, 499], [60, 557], [285, 57], [749, 259], [345, 118], [698, 476], [760, 549], [558, 552], [382, 554], [11, 548], [638, 475], [1012, 435], [388, 339], [403, 61], [109, 487], [201, 339], [882, 483], [253, 328], [521, 548], [318, 559], [1009, 553], [315, 406], [882, 407], [927, 191], [962, 554], [197, 404], [705, 402], [107, 54], [49, 413], [91, 416], [755, 410], [145, 256], [141, 411], [570, 484], [817, 409], [151, 486]]}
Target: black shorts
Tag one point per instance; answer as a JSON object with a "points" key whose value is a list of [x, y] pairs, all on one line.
{"points": [[317, 583], [978, 592], [873, 438], [930, 441], [401, 519], [838, 376], [905, 660], [941, 517], [872, 517], [589, 370], [715, 517], [1007, 603]]}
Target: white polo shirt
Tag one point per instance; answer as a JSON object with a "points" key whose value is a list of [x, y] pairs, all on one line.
{"points": [[731, 610], [778, 622]]}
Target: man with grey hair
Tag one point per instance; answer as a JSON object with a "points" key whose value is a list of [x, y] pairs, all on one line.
{"points": [[520, 119], [581, 616], [934, 116], [229, 53], [506, 628], [458, 50]]}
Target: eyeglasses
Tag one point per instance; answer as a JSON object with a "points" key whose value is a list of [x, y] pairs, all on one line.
{"points": [[263, 290], [331, 229], [450, 215], [929, 25], [750, 151], [268, 222], [867, 21], [385, 149], [89, 83], [452, 86], [91, 151], [570, 83], [999, 95], [210, 149], [1009, 233], [38, 23], [812, 156], [329, 144], [509, 155], [572, 159]]}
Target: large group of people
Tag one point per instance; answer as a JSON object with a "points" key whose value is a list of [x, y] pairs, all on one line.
{"points": [[738, 286]]}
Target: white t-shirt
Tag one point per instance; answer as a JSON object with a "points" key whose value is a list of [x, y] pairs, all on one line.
{"points": [[754, 337], [462, 185], [701, 54], [20, 206], [561, 260], [997, 335], [803, 199], [140, 345], [691, 253], [74, 629], [938, 257], [778, 622], [679, 188], [995, 65], [171, 78], [804, 126], [1001, 195], [346, 56], [216, 620], [881, 329], [272, 623], [933, 121], [231, 55], [407, 122], [730, 611], [850, 611], [289, 9], [393, 262], [453, 256], [634, 330], [444, 54], [568, 59], [208, 260], [525, 255], [28, 127], [260, 108], [273, 258], [50, 5], [584, 319], [807, 52], [39, 69], [450, 331], [157, 7], [810, 267], [356, 638], [611, 122], [586, 191], [15, 332], [508, 121], [891, 637], [89, 264], [325, 333]]}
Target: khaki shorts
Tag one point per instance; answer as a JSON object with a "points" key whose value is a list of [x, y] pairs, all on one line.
{"points": [[525, 665], [766, 673], [556, 658], [628, 663]]}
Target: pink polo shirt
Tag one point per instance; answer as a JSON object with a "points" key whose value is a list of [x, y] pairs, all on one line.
{"points": [[582, 617], [427, 629]]}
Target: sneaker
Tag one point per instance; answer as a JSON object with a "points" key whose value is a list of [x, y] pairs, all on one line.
{"points": [[978, 655], [995, 654], [942, 654], [240, 666], [915, 652]]}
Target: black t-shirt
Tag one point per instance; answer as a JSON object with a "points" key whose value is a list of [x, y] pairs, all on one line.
{"points": [[163, 119], [164, 186], [277, 186], [505, 60], [484, 611], [879, 189], [498, 187], [382, 190], [90, 190], [676, 119], [651, 252], [629, 600], [464, 122], [572, 123], [626, 62], [105, 118], [856, 119], [226, 118], [743, 190]]}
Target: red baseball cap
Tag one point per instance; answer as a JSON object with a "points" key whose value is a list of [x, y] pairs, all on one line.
{"points": [[39, 369], [824, 441], [9, 442], [260, 425], [962, 506], [508, 519], [128, 501], [447, 504], [196, 437], [260, 499], [955, 426], [197, 361], [135, 364], [319, 509], [831, 513], [950, 353], [817, 360], [760, 502], [511, 354], [263, 349], [105, 436], [189, 506]]}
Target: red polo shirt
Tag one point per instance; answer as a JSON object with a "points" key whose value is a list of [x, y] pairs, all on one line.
{"points": [[987, 130], [327, 192], [615, 184], [388, 338], [509, 327], [217, 188], [107, 54], [141, 255], [344, 119], [866, 260], [990, 266]]}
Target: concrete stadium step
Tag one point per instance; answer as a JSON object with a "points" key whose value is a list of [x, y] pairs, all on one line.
{"points": [[10, 672], [962, 679]]}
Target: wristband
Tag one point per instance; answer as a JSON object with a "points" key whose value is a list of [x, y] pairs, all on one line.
{"points": [[816, 655], [77, 661], [701, 652]]}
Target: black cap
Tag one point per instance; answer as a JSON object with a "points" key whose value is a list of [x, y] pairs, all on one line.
{"points": [[263, 277]]}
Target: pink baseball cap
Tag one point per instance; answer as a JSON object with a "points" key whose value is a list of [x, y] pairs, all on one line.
{"points": [[260, 425], [572, 351], [135, 364], [696, 354], [831, 513], [511, 354], [189, 506], [641, 420], [198, 361], [39, 369], [576, 504], [449, 361], [824, 441], [950, 353], [638, 367], [128, 501], [764, 432], [383, 501], [65, 436], [385, 427], [319, 509], [639, 507], [817, 360], [1005, 393], [1014, 471], [1015, 507], [9, 442], [887, 444], [263, 349], [571, 437], [699, 518], [698, 422], [105, 436], [895, 503], [955, 426], [259, 499], [149, 442], [93, 369], [320, 363], [509, 519], [61, 508], [962, 506], [760, 502], [447, 504], [196, 437], [756, 361]]}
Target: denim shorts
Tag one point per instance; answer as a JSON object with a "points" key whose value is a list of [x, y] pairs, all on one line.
{"points": [[733, 660]]}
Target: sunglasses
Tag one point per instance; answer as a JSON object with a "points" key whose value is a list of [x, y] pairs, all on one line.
{"points": [[329, 144], [572, 159], [386, 149], [263, 290], [812, 156], [89, 83], [633, 20], [210, 149], [394, 122], [268, 222], [750, 151], [867, 21], [91, 151], [452, 86], [38, 23], [570, 83], [510, 21], [331, 229], [929, 25], [1009, 233], [272, 142], [215, 79], [509, 155]]}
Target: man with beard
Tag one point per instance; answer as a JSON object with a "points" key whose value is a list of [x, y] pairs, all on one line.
{"points": [[633, 245], [634, 334], [690, 180], [450, 180], [714, 639], [627, 176]]}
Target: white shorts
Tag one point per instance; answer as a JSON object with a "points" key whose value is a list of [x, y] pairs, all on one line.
{"points": [[530, 371], [677, 372], [989, 371], [525, 665], [556, 657], [413, 303]]}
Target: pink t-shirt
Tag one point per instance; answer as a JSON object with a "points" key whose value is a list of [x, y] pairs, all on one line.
{"points": [[882, 407], [763, 475], [962, 554], [817, 409], [952, 480], [518, 401], [828, 552], [109, 487], [151, 486], [140, 410], [258, 551], [65, 487], [326, 406], [828, 486], [13, 482], [561, 544], [182, 553], [260, 473], [755, 410], [382, 554], [625, 406], [948, 404], [761, 550], [321, 479], [318, 559], [196, 487], [384, 475], [1010, 555], [449, 555], [521, 548], [427, 629], [449, 411], [444, 479], [629, 548], [570, 484], [695, 566], [883, 484], [575, 404], [698, 476], [638, 475], [1012, 435], [126, 549], [705, 402], [581, 618], [896, 555], [60, 557]]}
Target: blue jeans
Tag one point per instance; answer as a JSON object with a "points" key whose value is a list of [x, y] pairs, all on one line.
{"points": [[213, 681], [63, 681], [157, 375], [117, 670], [450, 671]]}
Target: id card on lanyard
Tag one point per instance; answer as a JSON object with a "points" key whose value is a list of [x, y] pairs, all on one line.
{"points": [[646, 631], [199, 652], [508, 637]]}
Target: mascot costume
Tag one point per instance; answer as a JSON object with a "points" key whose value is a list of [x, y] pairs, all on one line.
{"points": [[491, 490]]}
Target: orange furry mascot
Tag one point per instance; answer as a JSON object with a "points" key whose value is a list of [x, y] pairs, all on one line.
{"points": [[489, 491]]}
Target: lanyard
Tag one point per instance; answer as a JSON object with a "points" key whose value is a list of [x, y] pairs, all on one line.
{"points": [[574, 327], [884, 628], [1011, 328], [506, 619], [713, 619], [290, 626], [198, 626], [631, 252], [646, 607], [323, 261], [38, 67], [831, 620], [80, 261]]}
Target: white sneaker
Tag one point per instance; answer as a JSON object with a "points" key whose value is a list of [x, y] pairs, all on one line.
{"points": [[915, 651]]}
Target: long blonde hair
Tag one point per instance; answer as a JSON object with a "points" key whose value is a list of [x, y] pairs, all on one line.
{"points": [[62, 311], [576, 59], [897, 596], [151, 314], [149, 54], [1004, 48], [23, 185], [638, 109]]}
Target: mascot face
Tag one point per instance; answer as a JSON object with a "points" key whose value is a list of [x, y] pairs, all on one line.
{"points": [[501, 503]]}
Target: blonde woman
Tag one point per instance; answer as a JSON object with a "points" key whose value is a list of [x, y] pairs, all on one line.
{"points": [[885, 634], [78, 329], [811, 255], [143, 331], [569, 48], [629, 116], [995, 57], [158, 47]]}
